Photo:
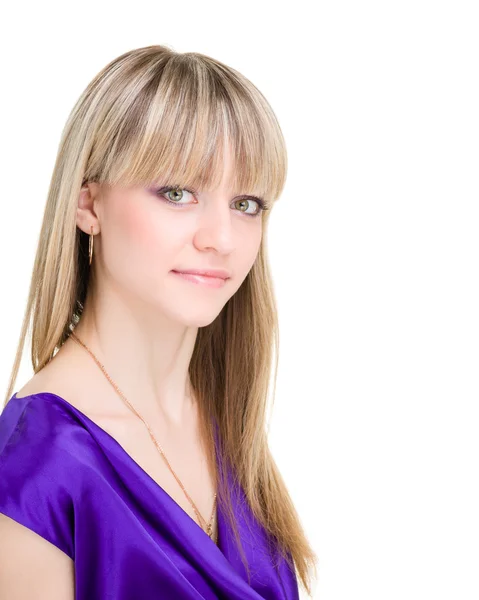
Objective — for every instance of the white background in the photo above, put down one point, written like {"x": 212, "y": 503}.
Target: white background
{"x": 374, "y": 249}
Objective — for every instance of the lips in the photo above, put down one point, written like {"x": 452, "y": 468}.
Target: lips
{"x": 216, "y": 273}
{"x": 203, "y": 280}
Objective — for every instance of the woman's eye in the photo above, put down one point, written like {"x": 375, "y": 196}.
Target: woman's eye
{"x": 244, "y": 203}
{"x": 174, "y": 194}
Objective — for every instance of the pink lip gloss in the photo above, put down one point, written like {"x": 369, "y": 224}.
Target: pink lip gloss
{"x": 212, "y": 282}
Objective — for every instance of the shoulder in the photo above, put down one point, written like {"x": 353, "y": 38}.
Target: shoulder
{"x": 37, "y": 460}
{"x": 34, "y": 426}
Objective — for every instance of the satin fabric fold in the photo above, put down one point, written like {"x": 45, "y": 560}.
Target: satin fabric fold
{"x": 71, "y": 482}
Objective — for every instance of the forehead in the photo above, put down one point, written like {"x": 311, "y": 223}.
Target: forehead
{"x": 227, "y": 169}
{"x": 226, "y": 176}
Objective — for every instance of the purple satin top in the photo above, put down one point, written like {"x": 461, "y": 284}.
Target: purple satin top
{"x": 71, "y": 482}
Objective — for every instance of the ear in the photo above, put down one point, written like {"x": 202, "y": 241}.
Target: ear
{"x": 86, "y": 214}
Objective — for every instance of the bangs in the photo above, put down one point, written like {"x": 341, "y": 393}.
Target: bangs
{"x": 171, "y": 122}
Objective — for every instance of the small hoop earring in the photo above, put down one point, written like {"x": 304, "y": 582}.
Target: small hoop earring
{"x": 90, "y": 245}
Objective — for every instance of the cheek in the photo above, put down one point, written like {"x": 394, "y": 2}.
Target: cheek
{"x": 247, "y": 247}
{"x": 142, "y": 246}
{"x": 147, "y": 235}
{"x": 251, "y": 243}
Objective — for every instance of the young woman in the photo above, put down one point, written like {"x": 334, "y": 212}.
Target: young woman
{"x": 135, "y": 462}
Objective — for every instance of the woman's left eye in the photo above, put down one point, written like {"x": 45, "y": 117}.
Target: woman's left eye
{"x": 174, "y": 194}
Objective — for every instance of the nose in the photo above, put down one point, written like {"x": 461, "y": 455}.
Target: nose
{"x": 216, "y": 228}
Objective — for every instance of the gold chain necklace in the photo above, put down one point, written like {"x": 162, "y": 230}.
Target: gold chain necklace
{"x": 208, "y": 528}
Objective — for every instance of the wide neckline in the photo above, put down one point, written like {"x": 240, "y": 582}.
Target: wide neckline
{"x": 126, "y": 455}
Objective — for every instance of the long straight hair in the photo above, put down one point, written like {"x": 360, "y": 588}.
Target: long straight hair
{"x": 151, "y": 114}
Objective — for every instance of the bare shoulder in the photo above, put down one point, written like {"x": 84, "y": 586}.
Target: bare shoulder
{"x": 28, "y": 561}
{"x": 65, "y": 376}
{"x": 54, "y": 377}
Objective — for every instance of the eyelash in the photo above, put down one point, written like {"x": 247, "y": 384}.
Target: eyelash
{"x": 263, "y": 206}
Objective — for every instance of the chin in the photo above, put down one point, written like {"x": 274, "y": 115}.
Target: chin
{"x": 197, "y": 317}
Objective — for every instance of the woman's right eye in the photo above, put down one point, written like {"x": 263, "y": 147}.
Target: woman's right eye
{"x": 173, "y": 194}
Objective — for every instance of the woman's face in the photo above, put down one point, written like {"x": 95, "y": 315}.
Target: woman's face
{"x": 144, "y": 238}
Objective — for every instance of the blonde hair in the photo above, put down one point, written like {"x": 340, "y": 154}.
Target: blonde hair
{"x": 153, "y": 112}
